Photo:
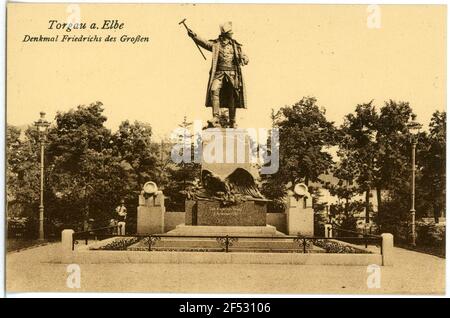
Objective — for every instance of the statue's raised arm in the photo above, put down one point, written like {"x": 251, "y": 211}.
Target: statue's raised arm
{"x": 207, "y": 45}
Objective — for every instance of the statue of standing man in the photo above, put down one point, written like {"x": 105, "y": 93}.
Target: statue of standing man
{"x": 225, "y": 85}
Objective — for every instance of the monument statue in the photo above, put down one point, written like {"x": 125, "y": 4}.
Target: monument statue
{"x": 225, "y": 85}
{"x": 227, "y": 193}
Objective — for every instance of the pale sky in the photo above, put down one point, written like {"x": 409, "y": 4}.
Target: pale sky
{"x": 326, "y": 51}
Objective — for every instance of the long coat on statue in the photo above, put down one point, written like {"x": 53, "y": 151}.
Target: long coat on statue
{"x": 236, "y": 96}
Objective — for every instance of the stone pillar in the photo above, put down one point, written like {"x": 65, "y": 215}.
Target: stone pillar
{"x": 299, "y": 215}
{"x": 150, "y": 214}
{"x": 66, "y": 246}
{"x": 387, "y": 246}
{"x": 328, "y": 230}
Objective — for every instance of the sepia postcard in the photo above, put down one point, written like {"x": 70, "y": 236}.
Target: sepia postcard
{"x": 249, "y": 149}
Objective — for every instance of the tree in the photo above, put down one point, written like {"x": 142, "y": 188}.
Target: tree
{"x": 357, "y": 150}
{"x": 375, "y": 152}
{"x": 13, "y": 161}
{"x": 87, "y": 168}
{"x": 393, "y": 172}
{"x": 91, "y": 169}
{"x": 133, "y": 144}
{"x": 181, "y": 175}
{"x": 432, "y": 156}
{"x": 304, "y": 135}
{"x": 22, "y": 171}
{"x": 346, "y": 171}
{"x": 77, "y": 155}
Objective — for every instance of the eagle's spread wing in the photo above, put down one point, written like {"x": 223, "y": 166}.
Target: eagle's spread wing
{"x": 240, "y": 183}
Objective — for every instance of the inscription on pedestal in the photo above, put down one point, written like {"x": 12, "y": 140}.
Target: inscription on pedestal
{"x": 249, "y": 213}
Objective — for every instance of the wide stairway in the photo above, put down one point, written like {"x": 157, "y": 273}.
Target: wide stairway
{"x": 213, "y": 239}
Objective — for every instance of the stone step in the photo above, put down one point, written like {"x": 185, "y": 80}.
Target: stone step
{"x": 201, "y": 230}
{"x": 211, "y": 244}
{"x": 236, "y": 249}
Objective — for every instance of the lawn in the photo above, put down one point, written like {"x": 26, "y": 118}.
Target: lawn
{"x": 16, "y": 244}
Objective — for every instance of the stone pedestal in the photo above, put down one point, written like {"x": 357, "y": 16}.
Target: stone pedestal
{"x": 328, "y": 230}
{"x": 190, "y": 209}
{"x": 66, "y": 252}
{"x": 227, "y": 162}
{"x": 387, "y": 249}
{"x": 300, "y": 215}
{"x": 212, "y": 213}
{"x": 225, "y": 150}
{"x": 150, "y": 214}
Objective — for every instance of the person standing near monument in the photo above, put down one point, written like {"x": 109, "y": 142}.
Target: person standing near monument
{"x": 225, "y": 85}
{"x": 121, "y": 211}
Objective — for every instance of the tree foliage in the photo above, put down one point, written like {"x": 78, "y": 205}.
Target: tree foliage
{"x": 433, "y": 158}
{"x": 375, "y": 153}
{"x": 88, "y": 169}
{"x": 304, "y": 135}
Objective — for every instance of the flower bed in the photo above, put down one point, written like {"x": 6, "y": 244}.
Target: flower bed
{"x": 337, "y": 247}
{"x": 326, "y": 246}
{"x": 117, "y": 244}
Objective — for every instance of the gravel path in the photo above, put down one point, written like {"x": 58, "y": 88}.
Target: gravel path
{"x": 413, "y": 273}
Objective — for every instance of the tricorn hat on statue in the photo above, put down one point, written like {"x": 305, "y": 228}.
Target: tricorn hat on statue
{"x": 226, "y": 27}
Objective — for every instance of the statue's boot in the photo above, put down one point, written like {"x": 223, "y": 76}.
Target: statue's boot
{"x": 232, "y": 117}
{"x": 214, "y": 122}
{"x": 215, "y": 100}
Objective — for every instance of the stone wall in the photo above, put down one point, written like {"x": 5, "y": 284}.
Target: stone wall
{"x": 278, "y": 220}
{"x": 172, "y": 219}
